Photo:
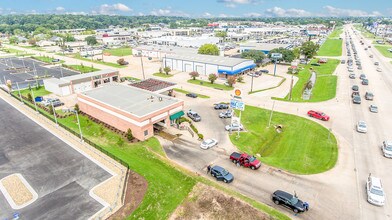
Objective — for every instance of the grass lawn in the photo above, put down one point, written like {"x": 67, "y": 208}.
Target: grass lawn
{"x": 163, "y": 75}
{"x": 83, "y": 69}
{"x": 208, "y": 84}
{"x": 331, "y": 47}
{"x": 77, "y": 56}
{"x": 384, "y": 50}
{"x": 304, "y": 147}
{"x": 119, "y": 52}
{"x": 11, "y": 50}
{"x": 186, "y": 92}
{"x": 37, "y": 92}
{"x": 336, "y": 33}
{"x": 325, "y": 86}
{"x": 33, "y": 48}
{"x": 273, "y": 87}
{"x": 46, "y": 59}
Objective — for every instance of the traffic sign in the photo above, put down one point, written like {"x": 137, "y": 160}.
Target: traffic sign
{"x": 276, "y": 55}
{"x": 237, "y": 104}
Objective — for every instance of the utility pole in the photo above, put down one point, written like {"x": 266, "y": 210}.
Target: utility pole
{"x": 275, "y": 67}
{"x": 20, "y": 95}
{"x": 141, "y": 60}
{"x": 291, "y": 85}
{"x": 251, "y": 85}
{"x": 54, "y": 113}
{"x": 35, "y": 104}
{"x": 80, "y": 129}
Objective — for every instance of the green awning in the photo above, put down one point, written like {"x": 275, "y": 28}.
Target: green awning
{"x": 176, "y": 115}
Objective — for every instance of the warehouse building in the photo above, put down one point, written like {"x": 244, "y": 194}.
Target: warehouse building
{"x": 80, "y": 83}
{"x": 157, "y": 51}
{"x": 125, "y": 107}
{"x": 263, "y": 47}
{"x": 207, "y": 64}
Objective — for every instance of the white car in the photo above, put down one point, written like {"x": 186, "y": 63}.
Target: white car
{"x": 350, "y": 69}
{"x": 375, "y": 192}
{"x": 387, "y": 148}
{"x": 226, "y": 114}
{"x": 361, "y": 127}
{"x": 379, "y": 69}
{"x": 234, "y": 127}
{"x": 208, "y": 143}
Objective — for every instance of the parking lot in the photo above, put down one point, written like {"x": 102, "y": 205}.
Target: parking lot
{"x": 61, "y": 176}
{"x": 24, "y": 70}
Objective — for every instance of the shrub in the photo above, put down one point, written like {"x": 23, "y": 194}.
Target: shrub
{"x": 240, "y": 79}
{"x": 194, "y": 129}
{"x": 120, "y": 141}
{"x": 29, "y": 97}
{"x": 201, "y": 136}
{"x": 231, "y": 81}
{"x": 167, "y": 70}
{"x": 129, "y": 135}
{"x": 76, "y": 108}
{"x": 212, "y": 77}
{"x": 160, "y": 70}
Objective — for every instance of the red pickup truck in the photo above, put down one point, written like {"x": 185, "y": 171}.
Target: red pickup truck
{"x": 245, "y": 160}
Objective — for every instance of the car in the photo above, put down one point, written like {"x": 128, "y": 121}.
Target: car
{"x": 208, "y": 143}
{"x": 361, "y": 127}
{"x": 221, "y": 106}
{"x": 57, "y": 103}
{"x": 319, "y": 115}
{"x": 376, "y": 63}
{"x": 352, "y": 76}
{"x": 375, "y": 191}
{"x": 234, "y": 127}
{"x": 315, "y": 64}
{"x": 387, "y": 148}
{"x": 365, "y": 82}
{"x": 359, "y": 67}
{"x": 355, "y": 93}
{"x": 355, "y": 88}
{"x": 369, "y": 46}
{"x": 357, "y": 99}
{"x": 290, "y": 201}
{"x": 362, "y": 76}
{"x": 264, "y": 71}
{"x": 369, "y": 96}
{"x": 253, "y": 74}
{"x": 221, "y": 174}
{"x": 366, "y": 48}
{"x": 193, "y": 115}
{"x": 373, "y": 108}
{"x": 371, "y": 56}
{"x": 350, "y": 69}
{"x": 55, "y": 60}
{"x": 192, "y": 95}
{"x": 342, "y": 61}
{"x": 379, "y": 69}
{"x": 226, "y": 114}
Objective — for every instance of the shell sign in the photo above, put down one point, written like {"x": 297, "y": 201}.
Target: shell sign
{"x": 237, "y": 92}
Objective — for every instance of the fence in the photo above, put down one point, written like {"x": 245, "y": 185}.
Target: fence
{"x": 89, "y": 142}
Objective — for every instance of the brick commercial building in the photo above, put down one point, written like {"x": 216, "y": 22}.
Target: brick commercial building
{"x": 127, "y": 107}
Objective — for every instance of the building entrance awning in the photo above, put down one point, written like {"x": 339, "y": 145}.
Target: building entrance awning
{"x": 176, "y": 115}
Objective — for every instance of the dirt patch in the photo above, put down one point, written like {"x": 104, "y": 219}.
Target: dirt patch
{"x": 205, "y": 202}
{"x": 19, "y": 193}
{"x": 136, "y": 188}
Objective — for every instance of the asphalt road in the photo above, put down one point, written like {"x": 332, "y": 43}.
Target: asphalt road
{"x": 336, "y": 194}
{"x": 60, "y": 175}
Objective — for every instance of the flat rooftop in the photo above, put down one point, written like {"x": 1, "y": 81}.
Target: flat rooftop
{"x": 263, "y": 46}
{"x": 133, "y": 100}
{"x": 153, "y": 85}
{"x": 166, "y": 49}
{"x": 209, "y": 59}
{"x": 88, "y": 75}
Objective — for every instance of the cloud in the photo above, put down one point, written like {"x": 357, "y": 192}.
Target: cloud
{"x": 60, "y": 9}
{"x": 252, "y": 14}
{"x": 341, "y": 12}
{"x": 206, "y": 14}
{"x": 292, "y": 12}
{"x": 237, "y": 1}
{"x": 112, "y": 9}
{"x": 168, "y": 12}
{"x": 230, "y": 5}
{"x": 223, "y": 15}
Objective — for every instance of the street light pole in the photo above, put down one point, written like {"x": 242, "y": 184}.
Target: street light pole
{"x": 251, "y": 85}
{"x": 54, "y": 113}
{"x": 35, "y": 104}
{"x": 80, "y": 129}
{"x": 275, "y": 67}
{"x": 272, "y": 111}
{"x": 20, "y": 95}
{"x": 291, "y": 86}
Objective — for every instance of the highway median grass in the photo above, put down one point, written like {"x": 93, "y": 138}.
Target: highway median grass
{"x": 209, "y": 84}
{"x": 119, "y": 52}
{"x": 325, "y": 86}
{"x": 336, "y": 33}
{"x": 384, "y": 50}
{"x": 46, "y": 59}
{"x": 303, "y": 146}
{"x": 331, "y": 47}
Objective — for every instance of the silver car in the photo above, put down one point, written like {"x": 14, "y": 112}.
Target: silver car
{"x": 375, "y": 192}
{"x": 208, "y": 143}
{"x": 234, "y": 127}
{"x": 361, "y": 127}
{"x": 373, "y": 108}
{"x": 387, "y": 148}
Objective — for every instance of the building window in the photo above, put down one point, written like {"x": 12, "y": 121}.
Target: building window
{"x": 145, "y": 132}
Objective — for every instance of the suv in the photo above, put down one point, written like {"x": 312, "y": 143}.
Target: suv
{"x": 369, "y": 96}
{"x": 194, "y": 116}
{"x": 376, "y": 63}
{"x": 365, "y": 82}
{"x": 357, "y": 99}
{"x": 290, "y": 201}
{"x": 221, "y": 106}
{"x": 226, "y": 114}
{"x": 375, "y": 192}
{"x": 221, "y": 174}
{"x": 234, "y": 127}
{"x": 362, "y": 76}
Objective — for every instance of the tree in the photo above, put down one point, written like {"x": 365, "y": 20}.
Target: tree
{"x": 209, "y": 49}
{"x": 287, "y": 55}
{"x": 167, "y": 70}
{"x": 173, "y": 25}
{"x": 76, "y": 108}
{"x": 69, "y": 38}
{"x": 194, "y": 74}
{"x": 33, "y": 41}
{"x": 309, "y": 49}
{"x": 13, "y": 40}
{"x": 231, "y": 80}
{"x": 91, "y": 40}
{"x": 212, "y": 77}
{"x": 296, "y": 52}
{"x": 240, "y": 79}
{"x": 120, "y": 141}
{"x": 255, "y": 55}
{"x": 121, "y": 61}
{"x": 160, "y": 70}
{"x": 222, "y": 34}
{"x": 129, "y": 135}
{"x": 29, "y": 97}
{"x": 51, "y": 110}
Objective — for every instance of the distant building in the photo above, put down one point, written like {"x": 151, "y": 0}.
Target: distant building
{"x": 80, "y": 83}
{"x": 158, "y": 51}
{"x": 194, "y": 42}
{"x": 70, "y": 31}
{"x": 264, "y": 47}
{"x": 207, "y": 64}
{"x": 126, "y": 107}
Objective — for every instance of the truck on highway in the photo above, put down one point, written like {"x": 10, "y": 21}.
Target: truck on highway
{"x": 243, "y": 159}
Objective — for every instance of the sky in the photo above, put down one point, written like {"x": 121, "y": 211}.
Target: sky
{"x": 202, "y": 8}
